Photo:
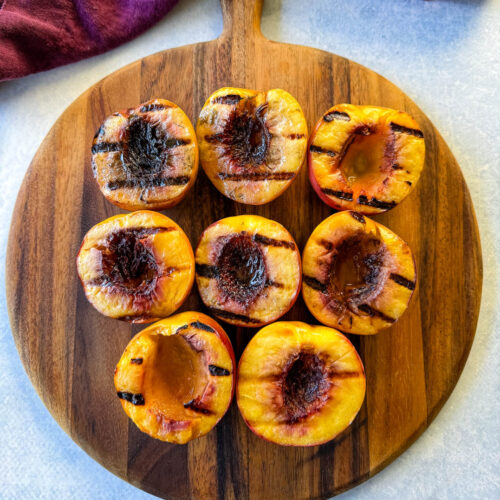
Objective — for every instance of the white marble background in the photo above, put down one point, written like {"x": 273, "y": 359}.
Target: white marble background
{"x": 445, "y": 54}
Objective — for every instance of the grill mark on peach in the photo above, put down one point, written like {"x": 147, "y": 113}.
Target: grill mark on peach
{"x": 153, "y": 107}
{"x": 202, "y": 326}
{"x": 376, "y": 203}
{"x": 217, "y": 371}
{"x": 207, "y": 271}
{"x": 256, "y": 176}
{"x": 181, "y": 180}
{"x": 315, "y": 284}
{"x": 395, "y": 166}
{"x": 230, "y": 315}
{"x": 409, "y": 183}
{"x": 395, "y": 127}
{"x": 274, "y": 284}
{"x": 328, "y": 245}
{"x": 106, "y": 281}
{"x": 227, "y": 99}
{"x": 358, "y": 217}
{"x": 136, "y": 361}
{"x": 341, "y": 195}
{"x": 194, "y": 405}
{"x": 318, "y": 149}
{"x": 374, "y": 313}
{"x": 106, "y": 147}
{"x": 295, "y": 136}
{"x": 135, "y": 399}
{"x": 400, "y": 280}
{"x": 264, "y": 240}
{"x": 335, "y": 374}
{"x": 337, "y": 115}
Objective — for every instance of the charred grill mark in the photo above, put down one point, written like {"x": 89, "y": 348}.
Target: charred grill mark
{"x": 153, "y": 107}
{"x": 148, "y": 183}
{"x": 172, "y": 142}
{"x": 363, "y": 200}
{"x": 396, "y": 167}
{"x": 257, "y": 176}
{"x": 409, "y": 183}
{"x": 400, "y": 280}
{"x": 274, "y": 284}
{"x": 315, "y": 284}
{"x": 217, "y": 371}
{"x": 181, "y": 328}
{"x": 358, "y": 217}
{"x": 337, "y": 115}
{"x": 374, "y": 313}
{"x": 295, "y": 136}
{"x": 264, "y": 240}
{"x": 227, "y": 99}
{"x": 336, "y": 374}
{"x": 136, "y": 361}
{"x": 318, "y": 149}
{"x": 328, "y": 245}
{"x": 406, "y": 130}
{"x": 207, "y": 271}
{"x": 202, "y": 326}
{"x": 99, "y": 130}
{"x": 341, "y": 195}
{"x": 106, "y": 147}
{"x": 135, "y": 399}
{"x": 229, "y": 315}
{"x": 194, "y": 405}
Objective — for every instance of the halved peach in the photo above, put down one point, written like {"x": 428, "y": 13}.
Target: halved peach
{"x": 298, "y": 384}
{"x": 146, "y": 157}
{"x": 252, "y": 144}
{"x": 365, "y": 158}
{"x": 358, "y": 275}
{"x": 138, "y": 267}
{"x": 176, "y": 378}
{"x": 248, "y": 270}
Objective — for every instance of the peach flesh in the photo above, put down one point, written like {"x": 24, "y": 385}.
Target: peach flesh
{"x": 177, "y": 375}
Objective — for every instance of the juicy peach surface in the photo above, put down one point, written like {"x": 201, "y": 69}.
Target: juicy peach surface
{"x": 252, "y": 144}
{"x": 175, "y": 379}
{"x": 138, "y": 266}
{"x": 298, "y": 384}
{"x": 146, "y": 157}
{"x": 248, "y": 270}
{"x": 365, "y": 158}
{"x": 358, "y": 275}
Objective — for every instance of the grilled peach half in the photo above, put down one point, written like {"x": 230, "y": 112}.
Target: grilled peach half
{"x": 365, "y": 158}
{"x": 298, "y": 384}
{"x": 176, "y": 378}
{"x": 137, "y": 267}
{"x": 358, "y": 275}
{"x": 248, "y": 270}
{"x": 252, "y": 144}
{"x": 146, "y": 157}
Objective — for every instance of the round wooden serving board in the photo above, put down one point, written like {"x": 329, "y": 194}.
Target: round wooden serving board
{"x": 69, "y": 350}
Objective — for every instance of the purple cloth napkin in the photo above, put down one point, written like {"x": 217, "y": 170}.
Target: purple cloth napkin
{"x": 36, "y": 35}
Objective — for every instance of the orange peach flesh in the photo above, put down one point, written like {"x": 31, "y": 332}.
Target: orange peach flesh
{"x": 365, "y": 158}
{"x": 248, "y": 270}
{"x": 358, "y": 275}
{"x": 146, "y": 157}
{"x": 298, "y": 384}
{"x": 138, "y": 267}
{"x": 252, "y": 144}
{"x": 175, "y": 379}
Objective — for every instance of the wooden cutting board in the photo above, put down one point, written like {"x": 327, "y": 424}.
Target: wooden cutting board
{"x": 69, "y": 350}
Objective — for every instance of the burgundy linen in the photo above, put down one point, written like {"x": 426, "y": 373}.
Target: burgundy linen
{"x": 36, "y": 35}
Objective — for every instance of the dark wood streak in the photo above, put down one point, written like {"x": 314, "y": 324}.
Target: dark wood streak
{"x": 257, "y": 176}
{"x": 341, "y": 195}
{"x": 318, "y": 149}
{"x": 374, "y": 313}
{"x": 181, "y": 180}
{"x": 406, "y": 130}
{"x": 400, "y": 280}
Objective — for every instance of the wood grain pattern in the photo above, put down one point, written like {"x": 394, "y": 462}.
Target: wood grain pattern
{"x": 70, "y": 351}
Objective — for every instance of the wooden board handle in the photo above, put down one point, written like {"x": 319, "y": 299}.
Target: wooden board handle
{"x": 241, "y": 19}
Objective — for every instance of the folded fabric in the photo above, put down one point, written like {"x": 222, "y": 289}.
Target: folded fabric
{"x": 36, "y": 35}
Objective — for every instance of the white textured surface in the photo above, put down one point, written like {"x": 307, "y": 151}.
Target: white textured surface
{"x": 445, "y": 54}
